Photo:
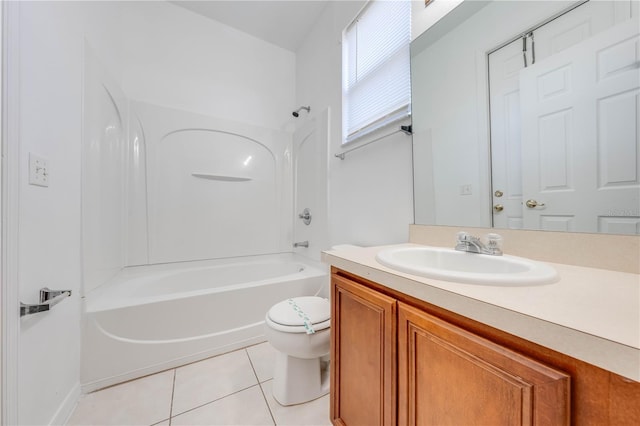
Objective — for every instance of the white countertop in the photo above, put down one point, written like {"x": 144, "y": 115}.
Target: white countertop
{"x": 589, "y": 314}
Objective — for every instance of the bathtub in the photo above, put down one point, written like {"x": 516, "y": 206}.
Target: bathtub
{"x": 151, "y": 318}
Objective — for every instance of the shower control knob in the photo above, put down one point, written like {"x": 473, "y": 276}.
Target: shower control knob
{"x": 305, "y": 216}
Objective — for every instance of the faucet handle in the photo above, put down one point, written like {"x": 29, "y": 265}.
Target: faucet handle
{"x": 465, "y": 237}
{"x": 494, "y": 243}
{"x": 462, "y": 236}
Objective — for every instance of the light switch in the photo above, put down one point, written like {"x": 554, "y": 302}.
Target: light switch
{"x": 38, "y": 170}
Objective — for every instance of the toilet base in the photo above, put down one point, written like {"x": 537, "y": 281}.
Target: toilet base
{"x": 297, "y": 380}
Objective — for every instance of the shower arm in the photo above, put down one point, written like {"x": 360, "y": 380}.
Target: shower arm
{"x": 296, "y": 112}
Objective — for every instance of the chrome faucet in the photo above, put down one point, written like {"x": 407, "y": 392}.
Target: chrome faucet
{"x": 301, "y": 244}
{"x": 470, "y": 244}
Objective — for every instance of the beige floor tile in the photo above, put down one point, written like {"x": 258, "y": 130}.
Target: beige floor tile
{"x": 263, "y": 358}
{"x": 312, "y": 413}
{"x": 247, "y": 407}
{"x": 140, "y": 402}
{"x": 205, "y": 381}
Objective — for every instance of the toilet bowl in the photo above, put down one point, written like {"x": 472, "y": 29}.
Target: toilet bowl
{"x": 298, "y": 329}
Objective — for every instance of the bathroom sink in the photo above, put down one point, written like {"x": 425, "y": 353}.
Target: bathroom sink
{"x": 451, "y": 265}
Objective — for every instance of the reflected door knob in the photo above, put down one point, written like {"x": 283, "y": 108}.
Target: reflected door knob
{"x": 533, "y": 204}
{"x": 498, "y": 207}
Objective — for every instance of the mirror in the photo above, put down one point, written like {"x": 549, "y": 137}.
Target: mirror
{"x": 525, "y": 116}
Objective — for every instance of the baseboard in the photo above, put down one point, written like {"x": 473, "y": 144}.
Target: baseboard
{"x": 62, "y": 415}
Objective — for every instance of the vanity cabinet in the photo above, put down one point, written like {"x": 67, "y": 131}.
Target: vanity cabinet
{"x": 400, "y": 360}
{"x": 448, "y": 376}
{"x": 363, "y": 343}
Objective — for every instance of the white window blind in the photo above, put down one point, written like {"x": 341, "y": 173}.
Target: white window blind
{"x": 376, "y": 71}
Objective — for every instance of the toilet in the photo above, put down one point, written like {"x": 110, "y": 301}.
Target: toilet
{"x": 298, "y": 328}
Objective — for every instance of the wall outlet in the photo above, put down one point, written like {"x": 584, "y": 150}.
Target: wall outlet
{"x": 38, "y": 170}
{"x": 466, "y": 189}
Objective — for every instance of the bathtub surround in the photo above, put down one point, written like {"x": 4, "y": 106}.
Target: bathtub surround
{"x": 197, "y": 186}
{"x": 103, "y": 170}
{"x": 194, "y": 165}
{"x": 166, "y": 213}
{"x": 311, "y": 185}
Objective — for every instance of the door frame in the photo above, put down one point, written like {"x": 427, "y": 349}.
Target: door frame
{"x": 10, "y": 209}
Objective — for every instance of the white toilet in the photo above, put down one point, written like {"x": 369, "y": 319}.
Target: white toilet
{"x": 298, "y": 328}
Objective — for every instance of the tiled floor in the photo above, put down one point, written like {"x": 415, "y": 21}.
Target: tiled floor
{"x": 230, "y": 389}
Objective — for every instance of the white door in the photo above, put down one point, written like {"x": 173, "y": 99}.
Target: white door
{"x": 580, "y": 114}
{"x": 504, "y": 70}
{"x": 505, "y": 65}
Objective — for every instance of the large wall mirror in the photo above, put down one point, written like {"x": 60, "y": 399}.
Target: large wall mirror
{"x": 526, "y": 115}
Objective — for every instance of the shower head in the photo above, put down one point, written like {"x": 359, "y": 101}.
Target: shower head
{"x": 295, "y": 113}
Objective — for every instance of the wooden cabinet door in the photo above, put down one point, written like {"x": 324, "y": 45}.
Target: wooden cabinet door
{"x": 448, "y": 376}
{"x": 363, "y": 355}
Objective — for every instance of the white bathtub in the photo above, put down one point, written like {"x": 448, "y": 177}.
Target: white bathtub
{"x": 151, "y": 318}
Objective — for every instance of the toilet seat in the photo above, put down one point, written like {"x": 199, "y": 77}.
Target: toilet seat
{"x": 290, "y": 315}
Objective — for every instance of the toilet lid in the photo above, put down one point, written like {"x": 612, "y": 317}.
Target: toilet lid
{"x": 296, "y": 311}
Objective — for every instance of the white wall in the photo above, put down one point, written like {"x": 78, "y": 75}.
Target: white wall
{"x": 50, "y": 82}
{"x": 371, "y": 196}
{"x": 423, "y": 18}
{"x": 178, "y": 59}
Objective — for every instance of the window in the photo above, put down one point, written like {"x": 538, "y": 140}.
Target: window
{"x": 376, "y": 82}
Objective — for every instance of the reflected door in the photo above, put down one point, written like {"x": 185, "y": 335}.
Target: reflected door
{"x": 505, "y": 66}
{"x": 504, "y": 69}
{"x": 580, "y": 114}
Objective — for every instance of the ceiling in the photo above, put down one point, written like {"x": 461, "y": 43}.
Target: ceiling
{"x": 283, "y": 23}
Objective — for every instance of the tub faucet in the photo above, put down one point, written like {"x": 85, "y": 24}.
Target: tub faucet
{"x": 301, "y": 244}
{"x": 470, "y": 244}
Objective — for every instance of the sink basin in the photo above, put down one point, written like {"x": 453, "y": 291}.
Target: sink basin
{"x": 451, "y": 265}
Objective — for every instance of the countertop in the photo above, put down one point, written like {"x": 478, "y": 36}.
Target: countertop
{"x": 590, "y": 314}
